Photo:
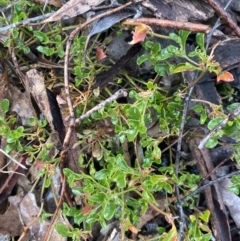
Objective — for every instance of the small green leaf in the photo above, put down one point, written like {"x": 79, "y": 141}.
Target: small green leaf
{"x": 192, "y": 54}
{"x": 150, "y": 85}
{"x": 203, "y": 118}
{"x": 161, "y": 69}
{"x": 183, "y": 34}
{"x": 211, "y": 142}
{"x": 134, "y": 113}
{"x": 148, "y": 196}
{"x": 142, "y": 59}
{"x": 205, "y": 216}
{"x": 200, "y": 40}
{"x": 165, "y": 54}
{"x": 42, "y": 37}
{"x": 172, "y": 49}
{"x": 230, "y": 130}
{"x": 5, "y": 105}
{"x": 215, "y": 122}
{"x": 97, "y": 198}
{"x": 132, "y": 134}
{"x": 148, "y": 44}
{"x": 120, "y": 179}
{"x": 62, "y": 229}
{"x": 168, "y": 188}
{"x": 175, "y": 37}
{"x": 183, "y": 67}
{"x": 102, "y": 174}
{"x": 109, "y": 210}
{"x": 121, "y": 163}
{"x": 156, "y": 48}
{"x": 47, "y": 182}
{"x": 46, "y": 50}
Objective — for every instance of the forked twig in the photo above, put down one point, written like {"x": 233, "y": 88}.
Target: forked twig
{"x": 120, "y": 93}
{"x": 230, "y": 117}
{"x": 200, "y": 189}
{"x": 12, "y": 159}
{"x": 224, "y": 16}
{"x": 26, "y": 21}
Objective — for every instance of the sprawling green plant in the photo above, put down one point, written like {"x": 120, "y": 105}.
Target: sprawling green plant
{"x": 117, "y": 187}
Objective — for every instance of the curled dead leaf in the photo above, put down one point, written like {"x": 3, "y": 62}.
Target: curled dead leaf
{"x": 225, "y": 76}
{"x": 100, "y": 54}
{"x": 140, "y": 33}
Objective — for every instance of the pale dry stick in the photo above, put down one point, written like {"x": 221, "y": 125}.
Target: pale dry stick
{"x": 2, "y": 170}
{"x": 3, "y": 9}
{"x": 12, "y": 159}
{"x": 120, "y": 93}
{"x": 26, "y": 21}
{"x": 230, "y": 117}
{"x": 193, "y": 27}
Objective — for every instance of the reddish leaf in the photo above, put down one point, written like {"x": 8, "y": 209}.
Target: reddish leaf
{"x": 140, "y": 33}
{"x": 225, "y": 76}
{"x": 87, "y": 209}
{"x": 133, "y": 229}
{"x": 100, "y": 54}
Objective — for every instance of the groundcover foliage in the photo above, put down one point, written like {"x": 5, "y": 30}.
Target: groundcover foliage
{"x": 116, "y": 186}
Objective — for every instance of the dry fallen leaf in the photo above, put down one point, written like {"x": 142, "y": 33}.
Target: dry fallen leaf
{"x": 10, "y": 221}
{"x": 56, "y": 3}
{"x": 73, "y": 8}
{"x": 21, "y": 104}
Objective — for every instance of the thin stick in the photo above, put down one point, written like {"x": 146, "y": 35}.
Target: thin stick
{"x": 216, "y": 25}
{"x": 182, "y": 222}
{"x": 26, "y": 21}
{"x": 120, "y": 93}
{"x": 60, "y": 202}
{"x": 224, "y": 16}
{"x": 198, "y": 190}
{"x": 230, "y": 117}
{"x": 12, "y": 159}
{"x": 193, "y": 27}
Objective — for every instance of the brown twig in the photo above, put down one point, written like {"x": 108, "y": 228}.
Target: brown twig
{"x": 193, "y": 27}
{"x": 120, "y": 93}
{"x": 224, "y": 16}
{"x": 48, "y": 233}
{"x": 26, "y": 228}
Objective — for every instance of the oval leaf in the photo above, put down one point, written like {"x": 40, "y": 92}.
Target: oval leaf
{"x": 225, "y": 76}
